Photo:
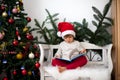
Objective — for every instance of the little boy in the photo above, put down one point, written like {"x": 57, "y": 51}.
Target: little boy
{"x": 66, "y": 31}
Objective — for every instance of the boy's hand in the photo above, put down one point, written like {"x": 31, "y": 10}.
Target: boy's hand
{"x": 56, "y": 56}
{"x": 83, "y": 51}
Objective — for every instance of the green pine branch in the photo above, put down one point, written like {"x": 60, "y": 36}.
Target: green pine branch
{"x": 102, "y": 23}
{"x": 101, "y": 36}
{"x": 48, "y": 34}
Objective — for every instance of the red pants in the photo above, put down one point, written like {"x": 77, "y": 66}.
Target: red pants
{"x": 78, "y": 62}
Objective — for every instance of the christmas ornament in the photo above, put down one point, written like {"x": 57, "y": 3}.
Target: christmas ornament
{"x": 37, "y": 55}
{"x": 14, "y": 10}
{"x": 2, "y": 45}
{"x": 24, "y": 72}
{"x": 33, "y": 72}
{"x": 17, "y": 2}
{"x": 25, "y": 29}
{"x": 5, "y": 78}
{"x": 14, "y": 72}
{"x": 9, "y": 13}
{"x": 11, "y": 21}
{"x": 21, "y": 43}
{"x": 2, "y": 7}
{"x": 20, "y": 0}
{"x": 22, "y": 67}
{"x": 2, "y": 34}
{"x": 28, "y": 19}
{"x": 19, "y": 55}
{"x": 31, "y": 55}
{"x": 20, "y": 3}
{"x": 29, "y": 36}
{"x": 35, "y": 46}
{"x": 29, "y": 73}
{"x": 15, "y": 42}
{"x": 17, "y": 34}
{"x": 18, "y": 8}
{"x": 4, "y": 14}
{"x": 37, "y": 64}
{"x": 4, "y": 61}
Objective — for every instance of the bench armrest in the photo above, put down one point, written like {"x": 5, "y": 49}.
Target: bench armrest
{"x": 42, "y": 52}
{"x": 110, "y": 63}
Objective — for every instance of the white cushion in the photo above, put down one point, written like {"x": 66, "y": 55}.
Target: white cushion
{"x": 92, "y": 72}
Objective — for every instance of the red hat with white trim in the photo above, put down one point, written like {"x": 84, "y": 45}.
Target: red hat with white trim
{"x": 65, "y": 28}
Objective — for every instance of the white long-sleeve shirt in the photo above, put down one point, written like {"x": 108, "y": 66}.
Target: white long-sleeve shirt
{"x": 65, "y": 49}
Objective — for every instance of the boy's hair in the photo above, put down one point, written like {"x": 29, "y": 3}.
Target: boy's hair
{"x": 68, "y": 35}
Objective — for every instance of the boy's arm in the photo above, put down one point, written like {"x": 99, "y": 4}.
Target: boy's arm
{"x": 58, "y": 53}
{"x": 57, "y": 56}
{"x": 83, "y": 51}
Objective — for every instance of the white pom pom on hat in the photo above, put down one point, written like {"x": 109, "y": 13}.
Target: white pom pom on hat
{"x": 59, "y": 34}
{"x": 65, "y": 28}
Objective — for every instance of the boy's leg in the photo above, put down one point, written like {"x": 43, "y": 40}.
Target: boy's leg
{"x": 57, "y": 62}
{"x": 79, "y": 62}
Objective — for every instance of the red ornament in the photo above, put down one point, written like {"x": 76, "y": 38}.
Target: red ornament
{"x": 37, "y": 65}
{"x": 11, "y": 20}
{"x": 2, "y": 7}
{"x": 28, "y": 19}
{"x": 14, "y": 72}
{"x": 17, "y": 33}
{"x": 5, "y": 78}
{"x": 24, "y": 72}
{"x": 29, "y": 36}
{"x": 35, "y": 46}
{"x": 15, "y": 42}
{"x": 37, "y": 55}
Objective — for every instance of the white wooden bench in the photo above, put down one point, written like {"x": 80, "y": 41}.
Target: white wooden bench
{"x": 99, "y": 66}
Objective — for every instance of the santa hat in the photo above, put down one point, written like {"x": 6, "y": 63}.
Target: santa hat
{"x": 65, "y": 28}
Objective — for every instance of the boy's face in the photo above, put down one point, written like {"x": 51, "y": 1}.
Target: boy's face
{"x": 68, "y": 38}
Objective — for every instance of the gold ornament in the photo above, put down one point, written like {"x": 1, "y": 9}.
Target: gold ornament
{"x": 25, "y": 29}
{"x": 19, "y": 55}
{"x": 21, "y": 43}
{"x": 2, "y": 46}
{"x": 29, "y": 73}
{"x": 20, "y": 0}
{"x": 4, "y": 14}
{"x": 18, "y": 8}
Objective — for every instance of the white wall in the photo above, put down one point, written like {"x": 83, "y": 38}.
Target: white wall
{"x": 72, "y": 10}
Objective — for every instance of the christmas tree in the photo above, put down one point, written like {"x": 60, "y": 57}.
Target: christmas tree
{"x": 19, "y": 55}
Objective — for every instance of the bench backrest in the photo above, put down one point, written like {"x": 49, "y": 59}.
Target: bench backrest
{"x": 95, "y": 54}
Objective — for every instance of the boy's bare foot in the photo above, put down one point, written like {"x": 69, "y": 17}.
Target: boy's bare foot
{"x": 61, "y": 69}
{"x": 78, "y": 68}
